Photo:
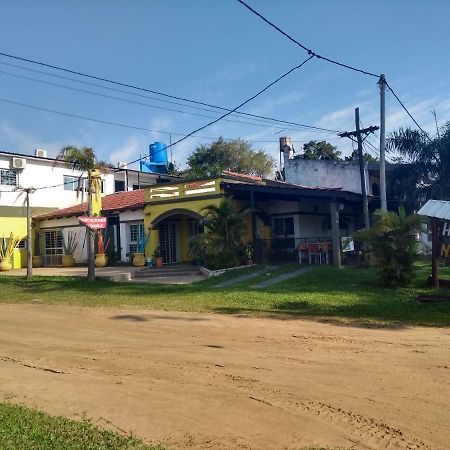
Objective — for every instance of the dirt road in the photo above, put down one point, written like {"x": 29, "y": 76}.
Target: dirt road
{"x": 211, "y": 381}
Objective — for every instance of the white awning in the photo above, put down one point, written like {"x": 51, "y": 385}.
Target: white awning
{"x": 439, "y": 209}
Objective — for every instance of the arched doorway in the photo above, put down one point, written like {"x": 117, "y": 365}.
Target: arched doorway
{"x": 177, "y": 228}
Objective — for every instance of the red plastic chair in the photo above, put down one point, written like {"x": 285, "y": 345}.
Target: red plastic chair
{"x": 314, "y": 252}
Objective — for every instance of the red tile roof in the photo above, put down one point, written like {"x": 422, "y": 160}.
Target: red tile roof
{"x": 120, "y": 201}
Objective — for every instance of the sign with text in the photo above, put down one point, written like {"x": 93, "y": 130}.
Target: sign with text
{"x": 94, "y": 223}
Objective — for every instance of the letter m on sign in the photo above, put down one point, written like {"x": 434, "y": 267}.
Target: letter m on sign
{"x": 445, "y": 250}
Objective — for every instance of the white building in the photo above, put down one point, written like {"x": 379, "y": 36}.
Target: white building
{"x": 40, "y": 172}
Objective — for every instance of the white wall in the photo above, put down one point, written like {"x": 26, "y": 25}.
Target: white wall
{"x": 327, "y": 174}
{"x": 126, "y": 218}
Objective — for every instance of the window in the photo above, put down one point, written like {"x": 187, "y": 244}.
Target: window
{"x": 72, "y": 183}
{"x": 119, "y": 186}
{"x": 137, "y": 236}
{"x": 284, "y": 231}
{"x": 53, "y": 242}
{"x": 8, "y": 177}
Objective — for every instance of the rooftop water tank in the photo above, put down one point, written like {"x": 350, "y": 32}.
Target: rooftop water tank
{"x": 158, "y": 153}
{"x": 157, "y": 159}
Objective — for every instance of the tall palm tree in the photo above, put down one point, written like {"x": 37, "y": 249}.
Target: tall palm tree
{"x": 225, "y": 223}
{"x": 428, "y": 160}
{"x": 84, "y": 160}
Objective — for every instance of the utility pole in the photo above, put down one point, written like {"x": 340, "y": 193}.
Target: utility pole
{"x": 358, "y": 134}
{"x": 29, "y": 191}
{"x": 91, "y": 245}
{"x": 382, "y": 84}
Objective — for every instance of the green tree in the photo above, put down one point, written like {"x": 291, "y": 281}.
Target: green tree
{"x": 220, "y": 246}
{"x": 237, "y": 156}
{"x": 428, "y": 161}
{"x": 83, "y": 159}
{"x": 392, "y": 240}
{"x": 320, "y": 150}
{"x": 366, "y": 156}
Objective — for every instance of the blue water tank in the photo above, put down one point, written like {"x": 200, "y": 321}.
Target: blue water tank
{"x": 157, "y": 159}
{"x": 158, "y": 153}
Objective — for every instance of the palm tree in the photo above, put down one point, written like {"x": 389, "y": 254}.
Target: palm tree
{"x": 225, "y": 224}
{"x": 428, "y": 160}
{"x": 84, "y": 160}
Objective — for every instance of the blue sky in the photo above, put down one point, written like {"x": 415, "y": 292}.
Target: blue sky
{"x": 218, "y": 52}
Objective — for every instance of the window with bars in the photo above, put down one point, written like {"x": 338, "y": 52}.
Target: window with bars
{"x": 137, "y": 236}
{"x": 284, "y": 231}
{"x": 53, "y": 242}
{"x": 8, "y": 177}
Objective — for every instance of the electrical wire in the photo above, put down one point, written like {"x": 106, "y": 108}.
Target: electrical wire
{"x": 407, "y": 112}
{"x": 139, "y": 103}
{"x": 131, "y": 86}
{"x": 299, "y": 66}
{"x": 311, "y": 52}
{"x": 308, "y": 50}
{"x": 118, "y": 124}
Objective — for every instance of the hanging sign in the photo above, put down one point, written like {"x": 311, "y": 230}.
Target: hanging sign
{"x": 94, "y": 223}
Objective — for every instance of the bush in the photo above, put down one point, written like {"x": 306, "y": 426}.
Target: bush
{"x": 392, "y": 241}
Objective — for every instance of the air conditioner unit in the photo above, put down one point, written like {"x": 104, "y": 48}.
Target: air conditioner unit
{"x": 123, "y": 165}
{"x": 40, "y": 153}
{"x": 19, "y": 163}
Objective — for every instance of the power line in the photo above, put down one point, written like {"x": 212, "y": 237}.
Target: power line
{"x": 266, "y": 125}
{"x": 119, "y": 83}
{"x": 256, "y": 117}
{"x": 407, "y": 112}
{"x": 299, "y": 66}
{"x": 118, "y": 124}
{"x": 311, "y": 52}
{"x": 304, "y": 47}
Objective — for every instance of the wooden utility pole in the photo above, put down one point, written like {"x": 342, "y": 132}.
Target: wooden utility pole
{"x": 382, "y": 84}
{"x": 435, "y": 252}
{"x": 358, "y": 133}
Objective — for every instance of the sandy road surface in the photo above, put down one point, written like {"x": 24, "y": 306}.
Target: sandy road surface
{"x": 211, "y": 381}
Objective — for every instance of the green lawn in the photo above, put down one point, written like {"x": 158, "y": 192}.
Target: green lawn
{"x": 27, "y": 429}
{"x": 349, "y": 294}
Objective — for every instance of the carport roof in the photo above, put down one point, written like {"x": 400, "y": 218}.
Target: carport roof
{"x": 439, "y": 209}
{"x": 120, "y": 201}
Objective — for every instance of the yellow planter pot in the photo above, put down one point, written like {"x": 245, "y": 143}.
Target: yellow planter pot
{"x": 68, "y": 261}
{"x": 139, "y": 260}
{"x": 5, "y": 264}
{"x": 37, "y": 261}
{"x": 101, "y": 260}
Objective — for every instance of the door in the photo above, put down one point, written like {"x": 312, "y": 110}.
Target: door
{"x": 168, "y": 242}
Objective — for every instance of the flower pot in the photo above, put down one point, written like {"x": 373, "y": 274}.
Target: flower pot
{"x": 249, "y": 262}
{"x": 159, "y": 261}
{"x": 5, "y": 264}
{"x": 101, "y": 260}
{"x": 68, "y": 261}
{"x": 139, "y": 260}
{"x": 37, "y": 261}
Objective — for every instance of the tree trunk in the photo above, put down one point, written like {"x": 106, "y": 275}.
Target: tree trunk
{"x": 91, "y": 250}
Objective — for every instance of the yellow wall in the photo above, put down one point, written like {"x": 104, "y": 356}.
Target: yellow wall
{"x": 156, "y": 209}
{"x": 13, "y": 220}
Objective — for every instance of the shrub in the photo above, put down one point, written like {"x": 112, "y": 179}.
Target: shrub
{"x": 392, "y": 241}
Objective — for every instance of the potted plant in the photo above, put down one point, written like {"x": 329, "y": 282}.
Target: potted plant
{"x": 249, "y": 254}
{"x": 157, "y": 257}
{"x": 100, "y": 257}
{"x": 37, "y": 258}
{"x": 139, "y": 256}
{"x": 7, "y": 247}
{"x": 69, "y": 247}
